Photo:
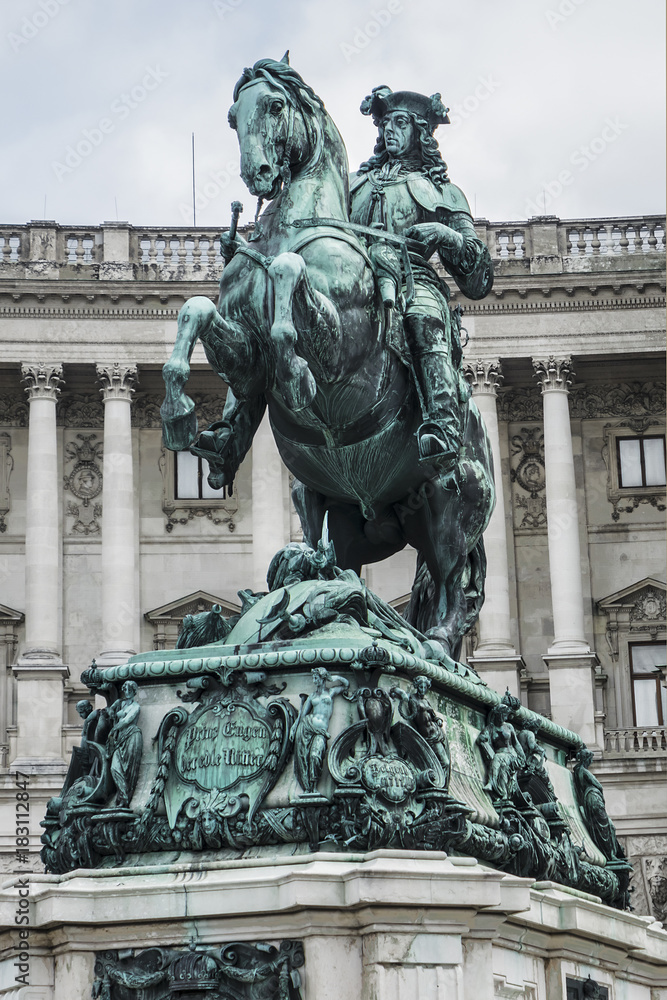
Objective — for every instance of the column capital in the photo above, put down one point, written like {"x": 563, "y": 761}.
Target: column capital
{"x": 484, "y": 375}
{"x": 117, "y": 380}
{"x": 43, "y": 380}
{"x": 553, "y": 373}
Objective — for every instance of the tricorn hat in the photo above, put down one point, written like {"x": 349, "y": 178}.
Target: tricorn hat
{"x": 383, "y": 100}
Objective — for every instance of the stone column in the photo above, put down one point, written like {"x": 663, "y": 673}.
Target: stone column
{"x": 569, "y": 659}
{"x": 495, "y": 657}
{"x": 119, "y": 614}
{"x": 39, "y": 670}
{"x": 268, "y": 516}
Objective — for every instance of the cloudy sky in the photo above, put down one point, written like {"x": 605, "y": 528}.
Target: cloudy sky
{"x": 555, "y": 104}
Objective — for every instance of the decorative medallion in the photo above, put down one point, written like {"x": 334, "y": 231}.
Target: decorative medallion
{"x": 651, "y": 605}
{"x": 85, "y": 482}
{"x": 528, "y": 475}
{"x": 390, "y": 777}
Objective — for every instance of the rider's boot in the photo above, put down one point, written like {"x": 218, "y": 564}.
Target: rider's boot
{"x": 440, "y": 435}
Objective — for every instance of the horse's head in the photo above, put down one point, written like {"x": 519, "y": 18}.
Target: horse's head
{"x": 274, "y": 116}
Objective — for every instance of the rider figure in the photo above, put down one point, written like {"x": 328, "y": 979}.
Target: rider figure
{"x": 404, "y": 189}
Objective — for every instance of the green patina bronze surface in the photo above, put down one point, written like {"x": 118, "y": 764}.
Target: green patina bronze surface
{"x": 344, "y": 728}
{"x": 332, "y": 317}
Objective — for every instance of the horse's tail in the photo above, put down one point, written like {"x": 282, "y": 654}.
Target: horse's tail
{"x": 421, "y": 611}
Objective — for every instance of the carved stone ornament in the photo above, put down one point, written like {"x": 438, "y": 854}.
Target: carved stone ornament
{"x": 618, "y": 399}
{"x": 241, "y": 970}
{"x": 117, "y": 380}
{"x": 80, "y": 410}
{"x": 651, "y": 605}
{"x": 519, "y": 403}
{"x": 84, "y": 481}
{"x": 484, "y": 376}
{"x": 528, "y": 477}
{"x": 43, "y": 380}
{"x": 13, "y": 409}
{"x": 553, "y": 373}
{"x": 641, "y": 607}
{"x": 6, "y": 466}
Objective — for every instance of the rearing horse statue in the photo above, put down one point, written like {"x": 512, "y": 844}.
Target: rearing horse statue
{"x": 302, "y": 327}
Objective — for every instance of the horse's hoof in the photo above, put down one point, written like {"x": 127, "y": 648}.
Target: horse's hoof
{"x": 179, "y": 430}
{"x": 299, "y": 390}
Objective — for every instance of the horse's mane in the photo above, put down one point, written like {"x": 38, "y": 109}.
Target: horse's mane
{"x": 283, "y": 77}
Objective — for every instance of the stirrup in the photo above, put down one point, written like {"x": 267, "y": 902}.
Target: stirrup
{"x": 433, "y": 449}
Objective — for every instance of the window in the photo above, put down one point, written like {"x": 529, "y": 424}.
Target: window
{"x": 649, "y": 698}
{"x": 186, "y": 494}
{"x": 641, "y": 461}
{"x": 585, "y": 989}
{"x": 635, "y": 460}
{"x": 191, "y": 479}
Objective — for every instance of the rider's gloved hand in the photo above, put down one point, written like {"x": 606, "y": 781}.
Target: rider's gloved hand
{"x": 436, "y": 236}
{"x": 229, "y": 246}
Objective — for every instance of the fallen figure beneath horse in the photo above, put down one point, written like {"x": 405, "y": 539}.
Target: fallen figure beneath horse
{"x": 331, "y": 317}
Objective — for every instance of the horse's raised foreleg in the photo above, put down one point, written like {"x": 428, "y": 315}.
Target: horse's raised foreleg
{"x": 179, "y": 423}
{"x": 294, "y": 378}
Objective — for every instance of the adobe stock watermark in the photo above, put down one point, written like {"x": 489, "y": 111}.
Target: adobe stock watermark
{"x": 213, "y": 186}
{"x": 565, "y": 9}
{"x": 120, "y": 108}
{"x": 581, "y": 158}
{"x": 224, "y": 8}
{"x": 370, "y": 29}
{"x": 32, "y": 24}
{"x": 458, "y": 113}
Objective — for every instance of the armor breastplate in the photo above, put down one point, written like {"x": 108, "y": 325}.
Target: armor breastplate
{"x": 387, "y": 201}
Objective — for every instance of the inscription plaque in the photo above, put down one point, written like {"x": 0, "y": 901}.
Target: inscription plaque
{"x": 226, "y": 746}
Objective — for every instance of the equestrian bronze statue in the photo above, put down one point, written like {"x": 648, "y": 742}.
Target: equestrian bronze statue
{"x": 332, "y": 317}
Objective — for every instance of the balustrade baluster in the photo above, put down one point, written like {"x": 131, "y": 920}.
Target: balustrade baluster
{"x": 652, "y": 239}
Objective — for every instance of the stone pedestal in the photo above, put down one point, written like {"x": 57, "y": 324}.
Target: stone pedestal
{"x": 119, "y": 618}
{"x": 572, "y": 692}
{"x": 386, "y": 925}
{"x": 502, "y": 673}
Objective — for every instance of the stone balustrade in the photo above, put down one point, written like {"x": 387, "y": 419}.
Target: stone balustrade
{"x": 633, "y": 740}
{"x": 548, "y": 236}
{"x": 568, "y": 244}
